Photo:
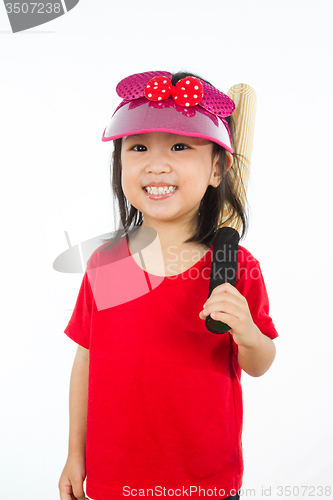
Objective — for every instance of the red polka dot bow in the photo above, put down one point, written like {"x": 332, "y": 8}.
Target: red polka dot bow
{"x": 186, "y": 92}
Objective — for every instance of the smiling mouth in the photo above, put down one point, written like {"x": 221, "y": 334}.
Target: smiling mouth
{"x": 155, "y": 195}
{"x": 159, "y": 190}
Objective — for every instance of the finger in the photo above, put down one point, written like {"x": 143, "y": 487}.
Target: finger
{"x": 66, "y": 492}
{"x": 202, "y": 315}
{"x": 78, "y": 491}
{"x": 228, "y": 309}
{"x": 223, "y": 299}
{"x": 224, "y": 318}
{"x": 225, "y": 288}
{"x": 221, "y": 307}
{"x": 80, "y": 497}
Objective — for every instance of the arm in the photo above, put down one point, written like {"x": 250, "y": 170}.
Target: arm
{"x": 256, "y": 358}
{"x": 78, "y": 403}
{"x": 74, "y": 472}
{"x": 256, "y": 351}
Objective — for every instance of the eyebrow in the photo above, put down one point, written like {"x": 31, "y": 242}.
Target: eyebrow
{"x": 134, "y": 135}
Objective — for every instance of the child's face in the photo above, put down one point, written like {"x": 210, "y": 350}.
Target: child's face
{"x": 182, "y": 161}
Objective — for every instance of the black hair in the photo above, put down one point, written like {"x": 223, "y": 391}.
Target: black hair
{"x": 228, "y": 198}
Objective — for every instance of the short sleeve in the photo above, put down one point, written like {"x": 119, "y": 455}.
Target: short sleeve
{"x": 252, "y": 286}
{"x": 78, "y": 328}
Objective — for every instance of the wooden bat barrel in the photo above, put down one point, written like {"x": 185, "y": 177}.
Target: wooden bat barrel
{"x": 245, "y": 100}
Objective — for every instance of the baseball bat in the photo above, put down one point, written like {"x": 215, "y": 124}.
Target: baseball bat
{"x": 227, "y": 237}
{"x": 245, "y": 100}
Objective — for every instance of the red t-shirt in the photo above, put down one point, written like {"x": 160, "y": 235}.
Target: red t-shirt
{"x": 165, "y": 399}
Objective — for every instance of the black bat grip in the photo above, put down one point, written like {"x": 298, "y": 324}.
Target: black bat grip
{"x": 224, "y": 269}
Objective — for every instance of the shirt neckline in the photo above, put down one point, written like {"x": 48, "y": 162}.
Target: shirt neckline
{"x": 192, "y": 272}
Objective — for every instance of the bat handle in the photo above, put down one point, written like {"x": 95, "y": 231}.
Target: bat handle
{"x": 224, "y": 262}
{"x": 216, "y": 326}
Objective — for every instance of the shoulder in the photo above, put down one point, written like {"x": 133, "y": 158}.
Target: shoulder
{"x": 246, "y": 258}
{"x": 248, "y": 267}
{"x": 110, "y": 251}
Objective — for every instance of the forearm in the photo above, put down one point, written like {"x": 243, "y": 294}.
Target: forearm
{"x": 257, "y": 359}
{"x": 78, "y": 403}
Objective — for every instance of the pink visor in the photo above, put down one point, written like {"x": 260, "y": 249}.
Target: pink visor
{"x": 139, "y": 114}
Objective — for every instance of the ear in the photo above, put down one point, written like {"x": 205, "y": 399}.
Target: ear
{"x": 216, "y": 177}
{"x": 230, "y": 160}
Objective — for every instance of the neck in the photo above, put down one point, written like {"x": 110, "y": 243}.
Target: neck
{"x": 165, "y": 255}
{"x": 171, "y": 234}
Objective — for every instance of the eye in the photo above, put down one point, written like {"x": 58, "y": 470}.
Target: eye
{"x": 138, "y": 147}
{"x": 179, "y": 147}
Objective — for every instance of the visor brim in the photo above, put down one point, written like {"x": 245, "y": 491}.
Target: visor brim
{"x": 143, "y": 116}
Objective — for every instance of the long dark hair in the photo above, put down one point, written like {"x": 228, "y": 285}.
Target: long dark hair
{"x": 228, "y": 198}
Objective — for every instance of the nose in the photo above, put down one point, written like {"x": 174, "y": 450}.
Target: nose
{"x": 158, "y": 162}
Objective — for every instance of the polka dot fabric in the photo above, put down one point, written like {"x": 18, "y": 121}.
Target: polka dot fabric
{"x": 158, "y": 88}
{"x": 185, "y": 94}
{"x": 133, "y": 86}
{"x": 216, "y": 102}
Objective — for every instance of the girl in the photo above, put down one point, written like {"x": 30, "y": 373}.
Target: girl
{"x": 155, "y": 398}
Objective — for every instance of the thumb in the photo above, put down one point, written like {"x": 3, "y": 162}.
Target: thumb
{"x": 78, "y": 491}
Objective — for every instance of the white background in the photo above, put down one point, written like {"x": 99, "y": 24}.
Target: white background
{"x": 57, "y": 94}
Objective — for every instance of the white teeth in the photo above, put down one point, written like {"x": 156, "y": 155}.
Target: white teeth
{"x": 160, "y": 190}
